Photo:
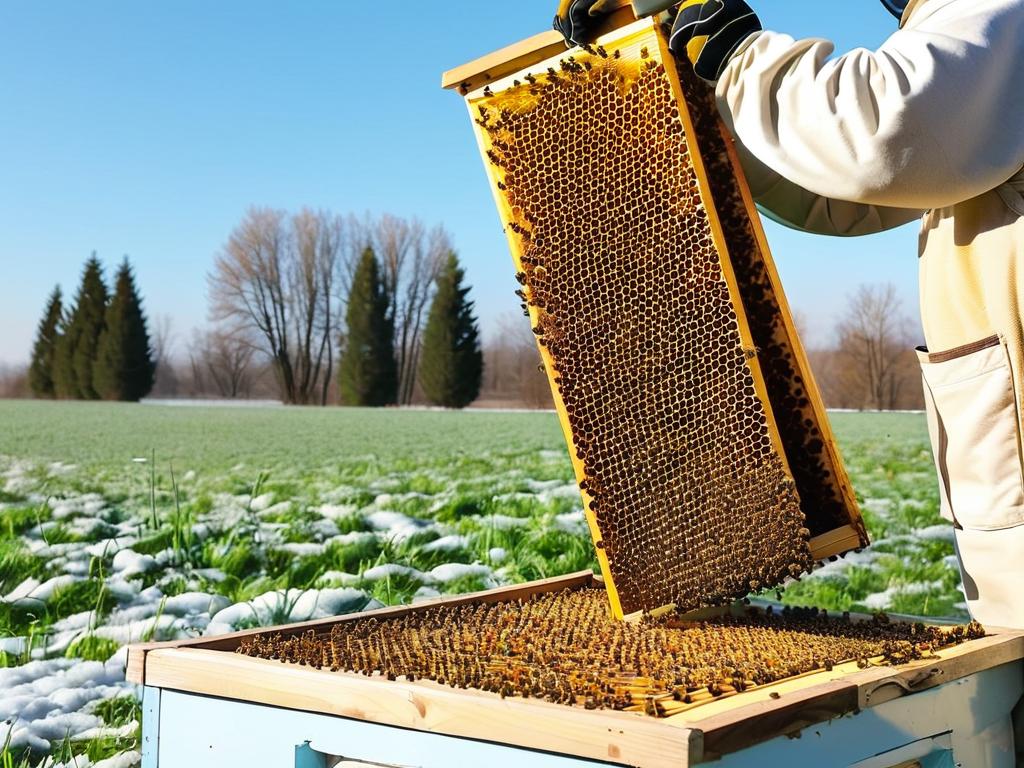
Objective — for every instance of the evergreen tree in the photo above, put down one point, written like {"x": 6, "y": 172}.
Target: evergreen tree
{"x": 64, "y": 385}
{"x": 451, "y": 364}
{"x": 367, "y": 371}
{"x": 76, "y": 350}
{"x": 124, "y": 367}
{"x": 40, "y": 372}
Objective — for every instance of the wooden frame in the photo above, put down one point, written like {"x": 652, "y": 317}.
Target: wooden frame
{"x": 493, "y": 74}
{"x": 526, "y": 53}
{"x": 209, "y": 666}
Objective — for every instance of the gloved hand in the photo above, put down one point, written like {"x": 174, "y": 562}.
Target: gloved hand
{"x": 575, "y": 18}
{"x": 708, "y": 32}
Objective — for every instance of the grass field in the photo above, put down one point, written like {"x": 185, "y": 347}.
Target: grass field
{"x": 125, "y": 523}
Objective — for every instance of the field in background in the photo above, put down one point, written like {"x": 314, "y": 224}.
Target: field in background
{"x": 126, "y": 523}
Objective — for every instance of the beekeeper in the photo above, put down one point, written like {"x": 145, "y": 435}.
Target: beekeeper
{"x": 931, "y": 127}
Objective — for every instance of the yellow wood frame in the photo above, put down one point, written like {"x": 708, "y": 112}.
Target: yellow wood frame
{"x": 493, "y": 74}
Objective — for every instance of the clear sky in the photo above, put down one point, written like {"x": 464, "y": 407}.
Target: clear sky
{"x": 147, "y": 129}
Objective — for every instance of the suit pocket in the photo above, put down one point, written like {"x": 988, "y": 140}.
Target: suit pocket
{"x": 975, "y": 434}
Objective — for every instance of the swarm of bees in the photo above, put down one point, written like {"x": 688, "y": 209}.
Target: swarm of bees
{"x": 564, "y": 647}
{"x": 623, "y": 281}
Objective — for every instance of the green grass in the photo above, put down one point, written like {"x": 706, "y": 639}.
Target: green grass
{"x": 214, "y": 439}
{"x": 233, "y": 488}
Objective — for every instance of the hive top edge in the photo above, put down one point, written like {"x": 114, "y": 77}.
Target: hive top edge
{"x": 501, "y": 64}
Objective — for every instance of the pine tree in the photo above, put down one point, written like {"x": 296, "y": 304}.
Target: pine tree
{"x": 124, "y": 367}
{"x": 40, "y": 372}
{"x": 76, "y": 350}
{"x": 451, "y": 364}
{"x": 367, "y": 371}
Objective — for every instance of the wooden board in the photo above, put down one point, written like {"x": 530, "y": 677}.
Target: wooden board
{"x": 208, "y": 666}
{"x": 610, "y": 736}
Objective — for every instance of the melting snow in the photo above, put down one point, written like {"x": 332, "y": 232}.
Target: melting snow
{"x": 452, "y": 571}
{"x": 42, "y": 700}
{"x": 446, "y": 544}
{"x": 942, "y": 532}
{"x": 279, "y": 607}
{"x": 389, "y": 570}
{"x": 128, "y": 562}
{"x": 571, "y": 522}
{"x": 395, "y": 525}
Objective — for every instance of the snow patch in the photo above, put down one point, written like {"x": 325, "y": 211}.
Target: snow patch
{"x": 448, "y": 572}
{"x": 128, "y": 563}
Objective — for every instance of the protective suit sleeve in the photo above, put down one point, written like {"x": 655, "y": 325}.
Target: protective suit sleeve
{"x": 932, "y": 118}
{"x": 788, "y": 204}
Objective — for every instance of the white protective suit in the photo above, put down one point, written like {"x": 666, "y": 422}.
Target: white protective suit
{"x": 929, "y": 126}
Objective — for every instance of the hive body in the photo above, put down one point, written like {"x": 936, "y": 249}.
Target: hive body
{"x": 657, "y": 326}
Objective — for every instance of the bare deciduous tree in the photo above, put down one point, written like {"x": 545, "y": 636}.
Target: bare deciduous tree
{"x": 874, "y": 356}
{"x": 221, "y": 363}
{"x": 162, "y": 342}
{"x": 313, "y": 282}
{"x": 274, "y": 283}
{"x": 14, "y": 381}
{"x": 512, "y": 372}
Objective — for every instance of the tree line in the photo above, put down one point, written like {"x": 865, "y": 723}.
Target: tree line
{"x": 99, "y": 347}
{"x": 867, "y": 363}
{"x": 308, "y": 308}
{"x": 316, "y": 308}
{"x": 377, "y": 304}
{"x": 871, "y": 363}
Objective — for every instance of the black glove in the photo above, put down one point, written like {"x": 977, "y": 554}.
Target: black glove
{"x": 708, "y": 32}
{"x": 575, "y": 18}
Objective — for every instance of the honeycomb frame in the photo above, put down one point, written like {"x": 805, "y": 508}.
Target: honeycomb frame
{"x": 806, "y": 474}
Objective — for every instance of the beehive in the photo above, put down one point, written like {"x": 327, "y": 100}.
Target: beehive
{"x": 564, "y": 647}
{"x": 703, "y": 453}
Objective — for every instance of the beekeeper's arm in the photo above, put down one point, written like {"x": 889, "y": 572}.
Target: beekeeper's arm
{"x": 789, "y": 204}
{"x": 933, "y": 118}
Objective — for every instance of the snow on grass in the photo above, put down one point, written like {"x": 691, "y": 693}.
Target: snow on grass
{"x": 448, "y": 543}
{"x": 42, "y": 701}
{"x": 940, "y": 532}
{"x": 449, "y": 572}
{"x": 314, "y": 523}
{"x": 881, "y": 601}
{"x": 395, "y": 525}
{"x": 32, "y": 591}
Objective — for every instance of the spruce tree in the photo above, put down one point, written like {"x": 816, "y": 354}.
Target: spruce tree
{"x": 124, "y": 367}
{"x": 40, "y": 372}
{"x": 367, "y": 371}
{"x": 64, "y": 385}
{"x": 76, "y": 350}
{"x": 451, "y": 363}
{"x": 84, "y": 328}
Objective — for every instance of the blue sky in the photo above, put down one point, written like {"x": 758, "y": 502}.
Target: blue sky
{"x": 147, "y": 129}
